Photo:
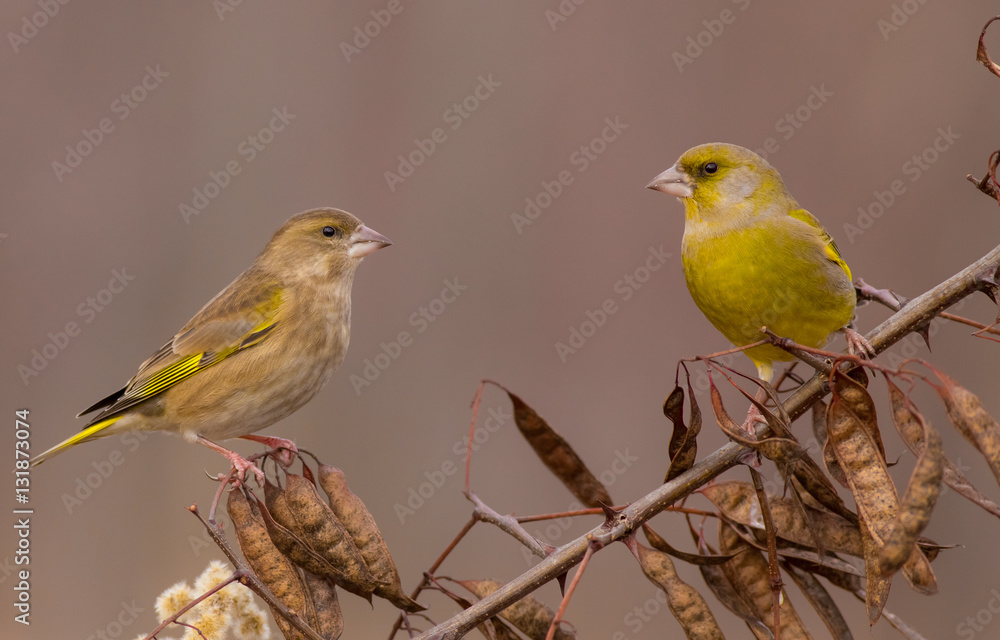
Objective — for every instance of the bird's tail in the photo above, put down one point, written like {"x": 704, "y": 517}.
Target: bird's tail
{"x": 87, "y": 434}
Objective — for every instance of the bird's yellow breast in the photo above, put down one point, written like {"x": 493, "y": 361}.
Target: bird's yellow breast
{"x": 773, "y": 274}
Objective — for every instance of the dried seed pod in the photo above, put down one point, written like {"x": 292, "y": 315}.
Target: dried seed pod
{"x": 557, "y": 454}
{"x": 268, "y": 563}
{"x": 749, "y": 571}
{"x": 684, "y": 601}
{"x": 322, "y": 595}
{"x": 918, "y": 502}
{"x": 657, "y": 542}
{"x": 738, "y": 502}
{"x": 358, "y": 522}
{"x": 529, "y": 616}
{"x": 868, "y": 476}
{"x": 966, "y": 412}
{"x": 912, "y": 433}
{"x": 300, "y": 509}
{"x": 291, "y": 545}
{"x": 876, "y": 585}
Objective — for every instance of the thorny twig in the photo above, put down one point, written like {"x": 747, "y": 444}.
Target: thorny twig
{"x": 979, "y": 276}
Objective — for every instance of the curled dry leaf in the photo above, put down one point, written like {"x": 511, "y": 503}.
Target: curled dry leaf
{"x": 749, "y": 573}
{"x": 529, "y": 616}
{"x": 737, "y": 501}
{"x": 966, "y": 412}
{"x": 300, "y": 509}
{"x": 683, "y": 447}
{"x": 921, "y": 493}
{"x": 268, "y": 563}
{"x": 912, "y": 433}
{"x": 358, "y": 522}
{"x": 684, "y": 601}
{"x": 557, "y": 454}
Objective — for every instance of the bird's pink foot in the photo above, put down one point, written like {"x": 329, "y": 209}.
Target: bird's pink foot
{"x": 754, "y": 416}
{"x": 283, "y": 450}
{"x": 240, "y": 464}
{"x": 858, "y": 345}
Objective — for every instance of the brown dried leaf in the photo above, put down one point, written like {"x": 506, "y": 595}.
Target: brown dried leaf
{"x": 821, "y": 601}
{"x": 358, "y": 521}
{"x": 911, "y": 431}
{"x": 559, "y": 456}
{"x": 749, "y": 573}
{"x": 684, "y": 601}
{"x": 683, "y": 447}
{"x": 529, "y": 616}
{"x": 658, "y": 543}
{"x": 300, "y": 509}
{"x": 268, "y": 563}
{"x": 738, "y": 502}
{"x": 966, "y": 412}
{"x": 921, "y": 494}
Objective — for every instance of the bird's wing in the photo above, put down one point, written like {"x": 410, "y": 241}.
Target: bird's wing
{"x": 829, "y": 246}
{"x": 229, "y": 323}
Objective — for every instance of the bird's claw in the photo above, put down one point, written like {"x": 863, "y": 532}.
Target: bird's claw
{"x": 858, "y": 345}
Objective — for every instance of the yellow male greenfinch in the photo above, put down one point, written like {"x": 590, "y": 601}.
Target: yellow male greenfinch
{"x": 753, "y": 257}
{"x": 259, "y": 350}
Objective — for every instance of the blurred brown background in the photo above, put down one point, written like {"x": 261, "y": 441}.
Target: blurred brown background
{"x": 546, "y": 87}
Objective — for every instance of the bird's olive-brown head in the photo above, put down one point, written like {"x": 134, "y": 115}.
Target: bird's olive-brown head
{"x": 321, "y": 242}
{"x": 720, "y": 179}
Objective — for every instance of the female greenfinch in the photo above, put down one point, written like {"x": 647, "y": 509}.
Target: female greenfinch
{"x": 753, "y": 257}
{"x": 259, "y": 349}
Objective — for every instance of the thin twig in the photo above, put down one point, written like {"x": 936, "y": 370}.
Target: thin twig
{"x": 507, "y": 524}
{"x": 569, "y": 593}
{"x": 175, "y": 618}
{"x": 250, "y": 580}
{"x": 976, "y": 277}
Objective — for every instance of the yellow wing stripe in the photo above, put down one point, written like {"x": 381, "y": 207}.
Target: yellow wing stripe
{"x": 86, "y": 434}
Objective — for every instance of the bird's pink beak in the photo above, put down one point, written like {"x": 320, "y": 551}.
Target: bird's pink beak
{"x": 674, "y": 182}
{"x": 365, "y": 241}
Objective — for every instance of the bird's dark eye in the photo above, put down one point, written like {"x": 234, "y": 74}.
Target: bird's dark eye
{"x": 330, "y": 232}
{"x": 711, "y": 167}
